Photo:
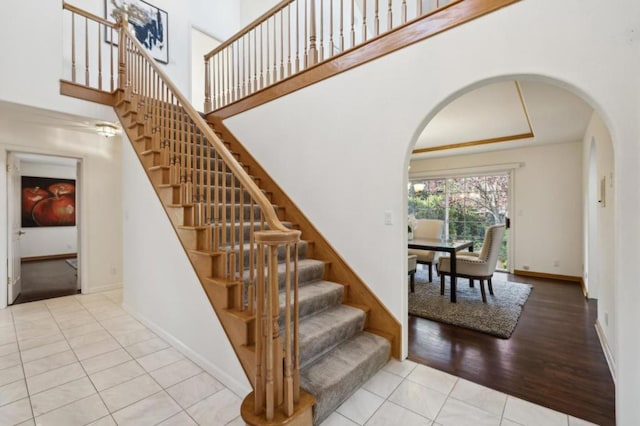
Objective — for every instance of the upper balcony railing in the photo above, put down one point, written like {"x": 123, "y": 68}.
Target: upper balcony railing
{"x": 294, "y": 36}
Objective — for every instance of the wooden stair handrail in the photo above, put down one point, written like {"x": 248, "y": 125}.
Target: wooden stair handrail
{"x": 89, "y": 15}
{"x": 248, "y": 27}
{"x": 237, "y": 170}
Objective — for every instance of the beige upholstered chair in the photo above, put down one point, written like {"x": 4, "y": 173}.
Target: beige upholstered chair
{"x": 429, "y": 229}
{"x": 480, "y": 266}
{"x": 412, "y": 260}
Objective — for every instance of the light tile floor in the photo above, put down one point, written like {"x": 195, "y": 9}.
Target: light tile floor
{"x": 82, "y": 360}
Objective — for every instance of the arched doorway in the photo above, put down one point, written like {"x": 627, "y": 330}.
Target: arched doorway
{"x": 551, "y": 201}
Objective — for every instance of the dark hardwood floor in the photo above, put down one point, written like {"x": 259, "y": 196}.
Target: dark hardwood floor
{"x": 45, "y": 279}
{"x": 553, "y": 358}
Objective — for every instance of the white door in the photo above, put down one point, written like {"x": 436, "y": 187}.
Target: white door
{"x": 14, "y": 231}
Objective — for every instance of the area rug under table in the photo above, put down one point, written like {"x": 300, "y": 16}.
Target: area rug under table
{"x": 497, "y": 317}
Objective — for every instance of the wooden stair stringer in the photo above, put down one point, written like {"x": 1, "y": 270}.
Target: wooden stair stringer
{"x": 379, "y": 320}
{"x": 229, "y": 322}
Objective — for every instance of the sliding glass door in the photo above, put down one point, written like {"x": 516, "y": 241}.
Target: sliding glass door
{"x": 468, "y": 205}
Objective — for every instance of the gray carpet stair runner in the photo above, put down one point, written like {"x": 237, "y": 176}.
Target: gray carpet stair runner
{"x": 336, "y": 355}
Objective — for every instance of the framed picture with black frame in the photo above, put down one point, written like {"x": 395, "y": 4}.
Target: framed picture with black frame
{"x": 152, "y": 33}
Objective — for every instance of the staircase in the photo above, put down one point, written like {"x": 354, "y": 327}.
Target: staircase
{"x": 336, "y": 354}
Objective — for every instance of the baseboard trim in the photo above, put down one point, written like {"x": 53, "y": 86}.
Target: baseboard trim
{"x": 235, "y": 386}
{"x": 49, "y": 257}
{"x": 585, "y": 292}
{"x": 607, "y": 350}
{"x": 102, "y": 288}
{"x": 571, "y": 278}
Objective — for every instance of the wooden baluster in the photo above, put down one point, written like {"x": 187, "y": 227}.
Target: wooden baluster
{"x": 304, "y": 38}
{"x": 189, "y": 149}
{"x": 353, "y": 31}
{"x": 223, "y": 208}
{"x": 289, "y": 39}
{"x": 404, "y": 11}
{"x": 241, "y": 243}
{"x": 390, "y": 16}
{"x": 173, "y": 167}
{"x": 330, "y": 54}
{"x": 229, "y": 83}
{"x": 341, "y": 26}
{"x": 313, "y": 51}
{"x": 237, "y": 70}
{"x": 207, "y": 85}
{"x": 255, "y": 60}
{"x": 241, "y": 54}
{"x": 207, "y": 200}
{"x": 288, "y": 365}
{"x": 252, "y": 264}
{"x": 272, "y": 277}
{"x": 73, "y": 47}
{"x": 281, "y": 44}
{"x": 261, "y": 57}
{"x": 218, "y": 90}
{"x": 419, "y": 8}
{"x": 246, "y": 64}
{"x": 298, "y": 35}
{"x": 275, "y": 50}
{"x": 86, "y": 52}
{"x": 216, "y": 201}
{"x": 261, "y": 335}
{"x": 232, "y": 71}
{"x": 227, "y": 93}
{"x": 100, "y": 56}
{"x": 164, "y": 122}
{"x": 268, "y": 75}
{"x": 321, "y": 30}
{"x": 376, "y": 23}
{"x": 233, "y": 241}
{"x": 296, "y": 328}
{"x": 111, "y": 86}
{"x": 364, "y": 20}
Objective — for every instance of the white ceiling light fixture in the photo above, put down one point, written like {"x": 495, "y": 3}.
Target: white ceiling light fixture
{"x": 107, "y": 130}
{"x": 418, "y": 187}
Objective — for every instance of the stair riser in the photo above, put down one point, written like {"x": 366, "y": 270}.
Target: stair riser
{"x": 210, "y": 265}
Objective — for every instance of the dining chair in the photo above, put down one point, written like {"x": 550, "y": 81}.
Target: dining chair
{"x": 480, "y": 266}
{"x": 428, "y": 229}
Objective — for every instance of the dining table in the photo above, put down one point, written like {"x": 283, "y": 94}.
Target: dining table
{"x": 444, "y": 245}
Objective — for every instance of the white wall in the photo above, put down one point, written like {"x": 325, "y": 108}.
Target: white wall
{"x": 343, "y": 144}
{"x": 547, "y": 208}
{"x": 100, "y": 188}
{"x": 161, "y": 287}
{"x": 601, "y": 264}
{"x": 48, "y": 240}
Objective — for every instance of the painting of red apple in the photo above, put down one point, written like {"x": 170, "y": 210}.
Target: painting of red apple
{"x": 48, "y": 202}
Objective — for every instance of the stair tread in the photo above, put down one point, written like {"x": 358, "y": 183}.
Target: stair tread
{"x": 322, "y": 331}
{"x": 336, "y": 375}
{"x": 315, "y": 297}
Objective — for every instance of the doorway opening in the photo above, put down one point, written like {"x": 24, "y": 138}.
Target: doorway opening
{"x": 44, "y": 244}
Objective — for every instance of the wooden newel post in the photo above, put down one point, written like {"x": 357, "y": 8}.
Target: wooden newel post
{"x": 313, "y": 52}
{"x": 276, "y": 352}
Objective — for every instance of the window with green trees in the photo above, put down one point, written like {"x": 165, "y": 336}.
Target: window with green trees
{"x": 468, "y": 205}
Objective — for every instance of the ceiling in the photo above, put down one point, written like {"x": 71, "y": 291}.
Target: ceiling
{"x": 43, "y": 118}
{"x": 504, "y": 115}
